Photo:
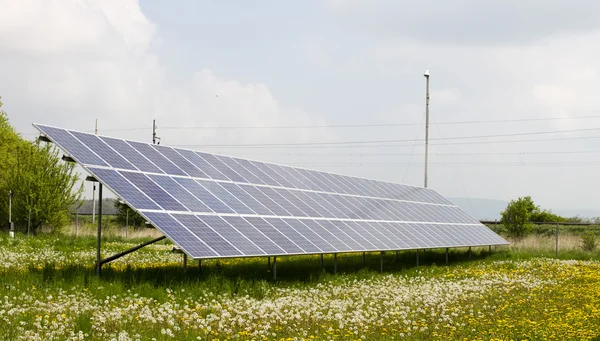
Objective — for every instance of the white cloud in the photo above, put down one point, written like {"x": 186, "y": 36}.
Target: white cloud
{"x": 66, "y": 63}
{"x": 69, "y": 62}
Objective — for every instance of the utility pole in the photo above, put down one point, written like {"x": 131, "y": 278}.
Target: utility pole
{"x": 155, "y": 139}
{"x": 426, "y": 123}
{"x": 94, "y": 184}
{"x": 11, "y": 225}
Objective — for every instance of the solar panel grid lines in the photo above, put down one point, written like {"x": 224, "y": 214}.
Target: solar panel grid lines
{"x": 157, "y": 158}
{"x": 75, "y": 148}
{"x": 183, "y": 237}
{"x": 111, "y": 157}
{"x": 230, "y": 173}
{"x": 191, "y": 152}
{"x": 231, "y": 207}
{"x": 180, "y": 161}
{"x": 133, "y": 156}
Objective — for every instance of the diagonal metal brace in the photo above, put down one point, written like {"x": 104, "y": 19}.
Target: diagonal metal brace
{"x": 126, "y": 252}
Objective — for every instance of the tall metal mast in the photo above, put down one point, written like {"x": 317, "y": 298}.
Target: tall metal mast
{"x": 426, "y": 124}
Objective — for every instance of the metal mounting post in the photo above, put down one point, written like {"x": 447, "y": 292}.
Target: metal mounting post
{"x": 490, "y": 249}
{"x": 321, "y": 262}
{"x": 364, "y": 259}
{"x": 381, "y": 261}
{"x": 184, "y": 262}
{"x": 274, "y": 268}
{"x": 417, "y": 257}
{"x": 269, "y": 263}
{"x": 396, "y": 259}
{"x": 470, "y": 253}
{"x": 334, "y": 262}
{"x": 98, "y": 242}
{"x": 200, "y": 266}
{"x": 446, "y": 256}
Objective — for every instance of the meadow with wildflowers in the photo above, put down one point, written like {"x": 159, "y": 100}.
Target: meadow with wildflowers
{"x": 48, "y": 291}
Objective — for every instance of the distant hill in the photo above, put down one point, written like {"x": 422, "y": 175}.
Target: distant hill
{"x": 489, "y": 209}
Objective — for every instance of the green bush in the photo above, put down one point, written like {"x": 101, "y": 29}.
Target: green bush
{"x": 589, "y": 241}
{"x": 516, "y": 217}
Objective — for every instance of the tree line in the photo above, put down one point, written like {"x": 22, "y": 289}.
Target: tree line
{"x": 45, "y": 188}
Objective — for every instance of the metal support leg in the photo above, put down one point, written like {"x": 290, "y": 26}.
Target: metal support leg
{"x": 199, "y": 266}
{"x": 417, "y": 257}
{"x": 321, "y": 262}
{"x": 98, "y": 242}
{"x": 364, "y": 259}
{"x": 446, "y": 256}
{"x": 470, "y": 253}
{"x": 381, "y": 261}
{"x": 269, "y": 263}
{"x": 396, "y": 259}
{"x": 274, "y": 268}
{"x": 490, "y": 249}
{"x": 185, "y": 262}
{"x": 334, "y": 262}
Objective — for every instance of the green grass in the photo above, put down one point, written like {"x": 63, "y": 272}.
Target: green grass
{"x": 154, "y": 277}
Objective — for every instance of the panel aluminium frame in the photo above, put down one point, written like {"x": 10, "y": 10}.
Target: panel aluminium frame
{"x": 158, "y": 227}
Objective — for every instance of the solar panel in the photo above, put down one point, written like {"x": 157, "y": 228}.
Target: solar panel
{"x": 216, "y": 206}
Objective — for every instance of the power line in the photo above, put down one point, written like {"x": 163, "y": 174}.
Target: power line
{"x": 410, "y": 145}
{"x": 434, "y": 154}
{"x": 524, "y": 164}
{"x": 387, "y": 141}
{"x": 367, "y": 125}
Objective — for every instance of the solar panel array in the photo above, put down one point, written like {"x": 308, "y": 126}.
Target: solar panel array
{"x": 216, "y": 206}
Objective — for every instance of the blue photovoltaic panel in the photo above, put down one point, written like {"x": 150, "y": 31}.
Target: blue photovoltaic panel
{"x": 247, "y": 199}
{"x": 131, "y": 155}
{"x": 204, "y": 195}
{"x": 180, "y": 193}
{"x": 157, "y": 158}
{"x": 209, "y": 236}
{"x": 222, "y": 167}
{"x": 152, "y": 190}
{"x": 181, "y": 162}
{"x": 292, "y": 234}
{"x": 187, "y": 240}
{"x": 241, "y": 170}
{"x": 255, "y": 235}
{"x": 311, "y": 235}
{"x": 202, "y": 165}
{"x": 276, "y": 236}
{"x": 218, "y": 206}
{"x": 234, "y": 203}
{"x": 134, "y": 197}
{"x": 104, "y": 151}
{"x": 71, "y": 145}
{"x": 230, "y": 233}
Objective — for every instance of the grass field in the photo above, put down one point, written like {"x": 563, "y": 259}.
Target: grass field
{"x": 49, "y": 291}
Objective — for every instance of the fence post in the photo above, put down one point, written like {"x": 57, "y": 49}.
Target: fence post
{"x": 556, "y": 239}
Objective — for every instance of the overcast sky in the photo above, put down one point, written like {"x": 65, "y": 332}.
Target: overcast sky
{"x": 327, "y": 63}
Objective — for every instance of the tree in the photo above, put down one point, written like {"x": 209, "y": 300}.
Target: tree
{"x": 134, "y": 218}
{"x": 545, "y": 216}
{"x": 43, "y": 184}
{"x": 516, "y": 217}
